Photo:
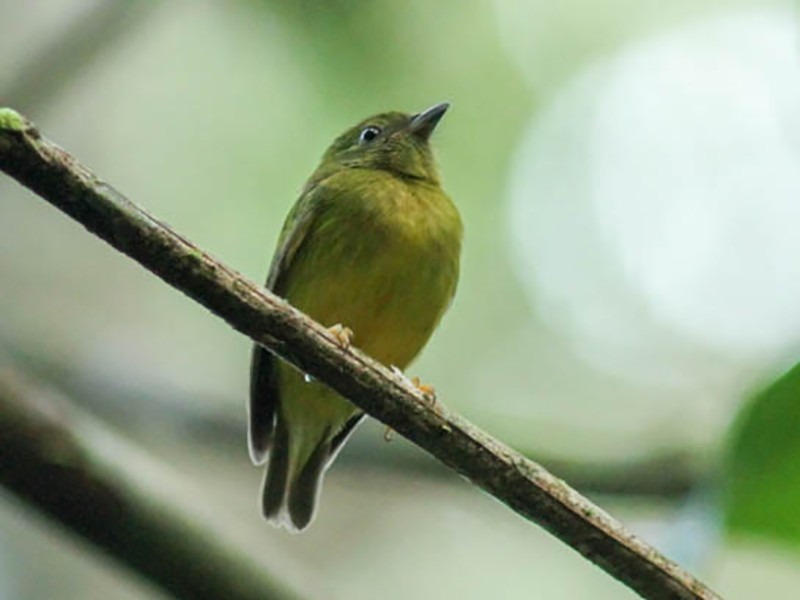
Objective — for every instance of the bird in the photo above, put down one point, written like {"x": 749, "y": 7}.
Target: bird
{"x": 371, "y": 250}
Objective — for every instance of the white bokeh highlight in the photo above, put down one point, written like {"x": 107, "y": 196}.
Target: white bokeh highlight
{"x": 655, "y": 202}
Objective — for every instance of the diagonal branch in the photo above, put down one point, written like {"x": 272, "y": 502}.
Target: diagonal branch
{"x": 520, "y": 483}
{"x": 63, "y": 462}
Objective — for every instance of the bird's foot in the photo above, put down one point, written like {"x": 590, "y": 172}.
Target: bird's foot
{"x": 428, "y": 391}
{"x": 344, "y": 335}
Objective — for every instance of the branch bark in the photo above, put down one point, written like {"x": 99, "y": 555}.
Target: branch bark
{"x": 523, "y": 485}
{"x": 61, "y": 461}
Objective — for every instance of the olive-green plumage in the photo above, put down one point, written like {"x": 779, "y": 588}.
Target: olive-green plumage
{"x": 372, "y": 244}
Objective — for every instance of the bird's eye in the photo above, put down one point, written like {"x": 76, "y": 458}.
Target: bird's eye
{"x": 368, "y": 134}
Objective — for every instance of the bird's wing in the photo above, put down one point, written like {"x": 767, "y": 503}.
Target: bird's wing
{"x": 263, "y": 373}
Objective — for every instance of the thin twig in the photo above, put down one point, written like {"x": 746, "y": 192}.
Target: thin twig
{"x": 68, "y": 465}
{"x": 520, "y": 483}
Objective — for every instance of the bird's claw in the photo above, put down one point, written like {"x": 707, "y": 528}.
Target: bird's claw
{"x": 344, "y": 335}
{"x": 428, "y": 391}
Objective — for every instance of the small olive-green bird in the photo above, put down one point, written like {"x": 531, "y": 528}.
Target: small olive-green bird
{"x": 372, "y": 246}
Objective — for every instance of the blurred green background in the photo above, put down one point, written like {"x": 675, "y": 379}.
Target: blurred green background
{"x": 628, "y": 177}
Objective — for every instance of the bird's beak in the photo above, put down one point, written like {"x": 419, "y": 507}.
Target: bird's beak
{"x": 423, "y": 124}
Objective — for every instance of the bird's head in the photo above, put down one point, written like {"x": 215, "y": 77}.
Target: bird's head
{"x": 394, "y": 141}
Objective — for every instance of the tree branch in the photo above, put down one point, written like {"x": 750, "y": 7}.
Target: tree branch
{"x": 522, "y": 484}
{"x": 69, "y": 466}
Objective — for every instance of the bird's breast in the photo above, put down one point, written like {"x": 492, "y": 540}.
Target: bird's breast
{"x": 386, "y": 268}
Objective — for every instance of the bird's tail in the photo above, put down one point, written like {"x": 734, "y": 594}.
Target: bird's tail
{"x": 295, "y": 471}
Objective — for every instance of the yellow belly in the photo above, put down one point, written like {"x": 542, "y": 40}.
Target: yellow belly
{"x": 392, "y": 308}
